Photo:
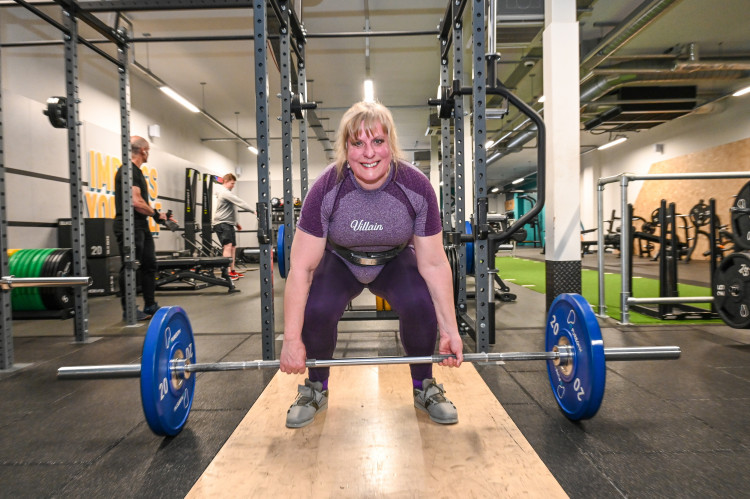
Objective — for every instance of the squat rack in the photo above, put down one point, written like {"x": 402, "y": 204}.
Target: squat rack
{"x": 69, "y": 29}
{"x": 72, "y": 12}
{"x": 288, "y": 25}
{"x": 484, "y": 83}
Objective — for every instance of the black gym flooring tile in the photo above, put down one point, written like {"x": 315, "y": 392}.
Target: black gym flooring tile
{"x": 38, "y": 480}
{"x": 685, "y": 475}
{"x": 143, "y": 465}
{"x": 665, "y": 429}
{"x": 64, "y": 438}
{"x": 648, "y": 456}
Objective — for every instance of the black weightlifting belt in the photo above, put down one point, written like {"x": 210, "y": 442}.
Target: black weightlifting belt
{"x": 366, "y": 258}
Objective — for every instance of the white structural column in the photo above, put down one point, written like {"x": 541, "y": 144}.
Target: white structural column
{"x": 562, "y": 119}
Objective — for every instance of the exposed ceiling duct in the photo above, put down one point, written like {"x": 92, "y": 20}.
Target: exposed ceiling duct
{"x": 636, "y": 22}
{"x": 601, "y": 86}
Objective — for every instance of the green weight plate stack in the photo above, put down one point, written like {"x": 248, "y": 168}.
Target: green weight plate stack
{"x": 35, "y": 263}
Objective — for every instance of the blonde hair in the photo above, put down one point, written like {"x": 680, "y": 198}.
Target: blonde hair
{"x": 369, "y": 115}
{"x": 228, "y": 178}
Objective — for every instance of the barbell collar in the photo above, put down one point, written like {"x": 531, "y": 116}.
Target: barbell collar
{"x": 671, "y": 300}
{"x": 643, "y": 353}
{"x": 99, "y": 372}
{"x": 182, "y": 367}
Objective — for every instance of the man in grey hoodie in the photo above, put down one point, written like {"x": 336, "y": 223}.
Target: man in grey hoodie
{"x": 225, "y": 219}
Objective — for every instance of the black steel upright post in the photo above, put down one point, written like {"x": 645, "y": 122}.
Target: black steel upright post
{"x": 482, "y": 277}
{"x": 285, "y": 64}
{"x": 207, "y": 201}
{"x": 78, "y": 235}
{"x": 713, "y": 250}
{"x": 191, "y": 223}
{"x": 126, "y": 181}
{"x": 264, "y": 213}
{"x": 302, "y": 123}
{"x": 446, "y": 168}
{"x": 6, "y": 313}
{"x": 673, "y": 253}
{"x": 458, "y": 152}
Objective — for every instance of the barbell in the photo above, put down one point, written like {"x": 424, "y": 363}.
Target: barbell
{"x": 575, "y": 357}
{"x": 10, "y": 282}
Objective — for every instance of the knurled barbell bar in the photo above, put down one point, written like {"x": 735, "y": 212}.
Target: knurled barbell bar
{"x": 575, "y": 356}
{"x": 10, "y": 282}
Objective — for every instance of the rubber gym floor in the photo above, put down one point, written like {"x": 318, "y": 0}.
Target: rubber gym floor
{"x": 665, "y": 429}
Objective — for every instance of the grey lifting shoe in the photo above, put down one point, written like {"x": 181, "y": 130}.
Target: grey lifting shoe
{"x": 311, "y": 399}
{"x": 431, "y": 399}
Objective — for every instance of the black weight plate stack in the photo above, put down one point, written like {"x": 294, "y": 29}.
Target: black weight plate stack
{"x": 655, "y": 216}
{"x": 48, "y": 271}
{"x": 700, "y": 214}
{"x": 519, "y": 236}
{"x": 452, "y": 254}
{"x": 732, "y": 290}
{"x": 59, "y": 264}
{"x": 741, "y": 218}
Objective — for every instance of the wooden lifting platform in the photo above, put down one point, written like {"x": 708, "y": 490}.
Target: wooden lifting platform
{"x": 375, "y": 443}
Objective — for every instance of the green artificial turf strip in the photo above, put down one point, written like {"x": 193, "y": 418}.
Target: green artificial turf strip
{"x": 531, "y": 274}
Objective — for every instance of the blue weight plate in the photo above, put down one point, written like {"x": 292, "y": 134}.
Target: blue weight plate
{"x": 167, "y": 399}
{"x": 579, "y": 386}
{"x": 469, "y": 251}
{"x": 280, "y": 251}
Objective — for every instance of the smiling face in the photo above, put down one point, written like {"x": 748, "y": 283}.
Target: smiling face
{"x": 369, "y": 156}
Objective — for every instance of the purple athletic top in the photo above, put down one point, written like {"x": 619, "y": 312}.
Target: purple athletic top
{"x": 377, "y": 220}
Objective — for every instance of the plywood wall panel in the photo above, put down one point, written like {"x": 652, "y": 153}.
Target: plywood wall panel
{"x": 731, "y": 157}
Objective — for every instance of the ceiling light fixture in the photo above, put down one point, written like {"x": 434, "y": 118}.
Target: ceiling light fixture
{"x": 182, "y": 100}
{"x": 495, "y": 189}
{"x": 619, "y": 139}
{"x": 741, "y": 92}
{"x": 252, "y": 150}
{"x": 518, "y": 180}
{"x": 541, "y": 99}
{"x": 369, "y": 91}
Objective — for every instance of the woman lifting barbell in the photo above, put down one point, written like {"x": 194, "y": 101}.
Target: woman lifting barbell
{"x": 370, "y": 220}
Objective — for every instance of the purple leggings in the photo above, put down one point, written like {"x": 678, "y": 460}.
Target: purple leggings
{"x": 400, "y": 283}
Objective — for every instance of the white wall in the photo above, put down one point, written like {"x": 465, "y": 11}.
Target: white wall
{"x": 730, "y": 122}
{"x": 30, "y": 75}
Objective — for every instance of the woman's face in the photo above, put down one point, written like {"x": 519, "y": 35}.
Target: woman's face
{"x": 369, "y": 157}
